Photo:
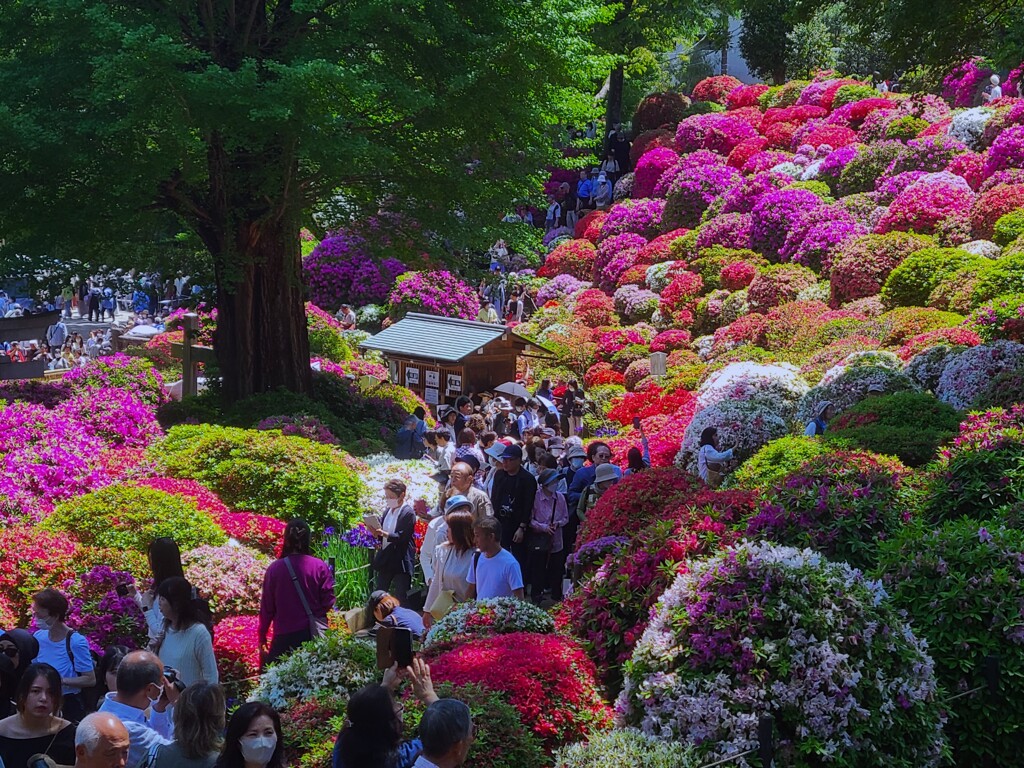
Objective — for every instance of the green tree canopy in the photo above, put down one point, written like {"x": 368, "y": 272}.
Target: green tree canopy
{"x": 241, "y": 117}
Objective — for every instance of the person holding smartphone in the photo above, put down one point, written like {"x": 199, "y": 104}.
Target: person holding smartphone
{"x": 637, "y": 461}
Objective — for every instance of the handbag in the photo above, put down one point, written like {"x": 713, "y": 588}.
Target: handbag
{"x": 317, "y": 626}
{"x": 445, "y": 599}
{"x": 539, "y": 543}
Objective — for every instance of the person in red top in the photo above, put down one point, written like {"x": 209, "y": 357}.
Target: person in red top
{"x": 281, "y": 607}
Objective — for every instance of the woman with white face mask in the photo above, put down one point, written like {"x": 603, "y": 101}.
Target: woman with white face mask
{"x": 396, "y": 558}
{"x": 253, "y": 739}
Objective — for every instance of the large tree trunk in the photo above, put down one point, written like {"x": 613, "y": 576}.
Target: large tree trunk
{"x": 613, "y": 103}
{"x": 261, "y": 341}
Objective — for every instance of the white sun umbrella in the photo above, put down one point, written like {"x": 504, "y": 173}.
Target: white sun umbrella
{"x": 513, "y": 389}
{"x": 547, "y": 404}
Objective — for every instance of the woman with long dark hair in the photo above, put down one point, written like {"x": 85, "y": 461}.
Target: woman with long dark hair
{"x": 164, "y": 563}
{"x": 253, "y": 738}
{"x": 185, "y": 643}
{"x": 298, "y": 591}
{"x": 372, "y": 736}
{"x": 37, "y": 727}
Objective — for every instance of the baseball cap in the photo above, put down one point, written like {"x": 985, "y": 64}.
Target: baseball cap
{"x": 456, "y": 501}
{"x": 512, "y": 452}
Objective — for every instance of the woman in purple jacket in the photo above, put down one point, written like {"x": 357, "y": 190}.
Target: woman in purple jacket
{"x": 293, "y": 576}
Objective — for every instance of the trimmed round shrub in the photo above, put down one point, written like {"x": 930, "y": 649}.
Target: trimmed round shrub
{"x": 776, "y": 460}
{"x": 1008, "y": 227}
{"x": 861, "y": 266}
{"x": 129, "y": 517}
{"x": 341, "y": 270}
{"x": 846, "y": 385}
{"x": 1003, "y": 391}
{"x": 434, "y": 293}
{"x": 485, "y": 618}
{"x": 911, "y": 282}
{"x": 547, "y": 678}
{"x": 981, "y": 475}
{"x": 963, "y": 586}
{"x": 993, "y": 204}
{"x": 626, "y": 748}
{"x": 908, "y": 425}
{"x": 840, "y": 504}
{"x": 265, "y": 472}
{"x": 764, "y": 629}
{"x": 658, "y": 109}
{"x": 968, "y": 373}
{"x": 572, "y": 257}
{"x": 778, "y": 283}
{"x": 998, "y": 277}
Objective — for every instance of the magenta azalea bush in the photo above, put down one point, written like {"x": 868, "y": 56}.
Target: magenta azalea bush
{"x": 342, "y": 270}
{"x": 434, "y": 293}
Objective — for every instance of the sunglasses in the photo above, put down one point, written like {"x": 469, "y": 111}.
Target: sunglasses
{"x": 9, "y": 651}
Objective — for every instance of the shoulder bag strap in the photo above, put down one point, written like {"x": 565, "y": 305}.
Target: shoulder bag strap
{"x": 298, "y": 588}
{"x": 67, "y": 646}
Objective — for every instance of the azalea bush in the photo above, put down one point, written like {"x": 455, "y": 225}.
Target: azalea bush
{"x": 610, "y": 610}
{"x": 981, "y": 475}
{"x": 547, "y": 678}
{"x": 962, "y": 584}
{"x": 100, "y": 614}
{"x": 237, "y": 649}
{"x": 769, "y": 629}
{"x": 779, "y": 458}
{"x": 434, "y": 293}
{"x": 485, "y": 618}
{"x": 967, "y": 373}
{"x": 230, "y": 577}
{"x": 841, "y": 504}
{"x": 908, "y": 425}
{"x": 341, "y": 270}
{"x": 131, "y": 374}
{"x": 334, "y": 663}
{"x": 129, "y": 517}
{"x": 628, "y": 748}
{"x": 264, "y": 472}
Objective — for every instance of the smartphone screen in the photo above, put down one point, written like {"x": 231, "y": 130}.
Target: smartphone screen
{"x": 636, "y": 422}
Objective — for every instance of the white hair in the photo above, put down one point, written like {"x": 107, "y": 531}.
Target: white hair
{"x": 88, "y": 733}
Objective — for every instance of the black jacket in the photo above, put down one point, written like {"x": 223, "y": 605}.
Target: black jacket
{"x": 523, "y": 486}
{"x": 400, "y": 555}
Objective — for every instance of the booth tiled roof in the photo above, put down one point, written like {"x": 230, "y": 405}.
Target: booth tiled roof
{"x": 444, "y": 339}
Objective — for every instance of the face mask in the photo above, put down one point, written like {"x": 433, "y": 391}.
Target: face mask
{"x": 258, "y": 749}
{"x": 391, "y": 503}
{"x": 494, "y": 463}
{"x": 153, "y": 702}
{"x": 46, "y": 623}
{"x": 576, "y": 462}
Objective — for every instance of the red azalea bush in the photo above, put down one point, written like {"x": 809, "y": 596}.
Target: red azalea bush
{"x": 992, "y": 204}
{"x": 611, "y": 609}
{"x": 745, "y": 96}
{"x": 658, "y": 109}
{"x": 840, "y": 503}
{"x": 635, "y": 275}
{"x": 745, "y": 150}
{"x": 670, "y": 340}
{"x": 572, "y": 257}
{"x": 715, "y": 89}
{"x": 835, "y": 136}
{"x": 796, "y": 115}
{"x": 594, "y": 308}
{"x": 863, "y": 263}
{"x": 970, "y": 166}
{"x": 956, "y": 336}
{"x": 600, "y": 374}
{"x": 237, "y": 648}
{"x": 679, "y": 294}
{"x": 660, "y": 248}
{"x": 644, "y": 497}
{"x": 30, "y": 560}
{"x": 738, "y": 275}
{"x": 748, "y": 329}
{"x": 589, "y": 227}
{"x": 649, "y": 402}
{"x": 547, "y": 678}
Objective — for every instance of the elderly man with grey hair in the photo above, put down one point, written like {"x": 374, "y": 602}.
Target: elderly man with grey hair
{"x": 446, "y": 731}
{"x": 101, "y": 741}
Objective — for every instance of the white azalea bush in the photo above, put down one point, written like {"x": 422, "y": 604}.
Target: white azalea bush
{"x": 334, "y": 664}
{"x": 415, "y": 473}
{"x": 967, "y": 373}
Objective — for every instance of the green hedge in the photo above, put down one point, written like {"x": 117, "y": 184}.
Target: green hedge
{"x": 910, "y": 284}
{"x": 265, "y": 472}
{"x": 129, "y": 517}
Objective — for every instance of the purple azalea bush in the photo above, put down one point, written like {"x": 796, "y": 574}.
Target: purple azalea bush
{"x": 342, "y": 270}
{"x": 434, "y": 293}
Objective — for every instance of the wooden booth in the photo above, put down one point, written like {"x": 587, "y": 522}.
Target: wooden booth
{"x": 23, "y": 330}
{"x": 440, "y": 358}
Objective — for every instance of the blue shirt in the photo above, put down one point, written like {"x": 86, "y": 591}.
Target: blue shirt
{"x": 584, "y": 188}
{"x": 406, "y": 755}
{"x": 406, "y": 619}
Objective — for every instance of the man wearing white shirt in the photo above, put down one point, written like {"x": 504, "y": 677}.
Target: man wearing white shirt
{"x": 141, "y": 685}
{"x": 446, "y": 730}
